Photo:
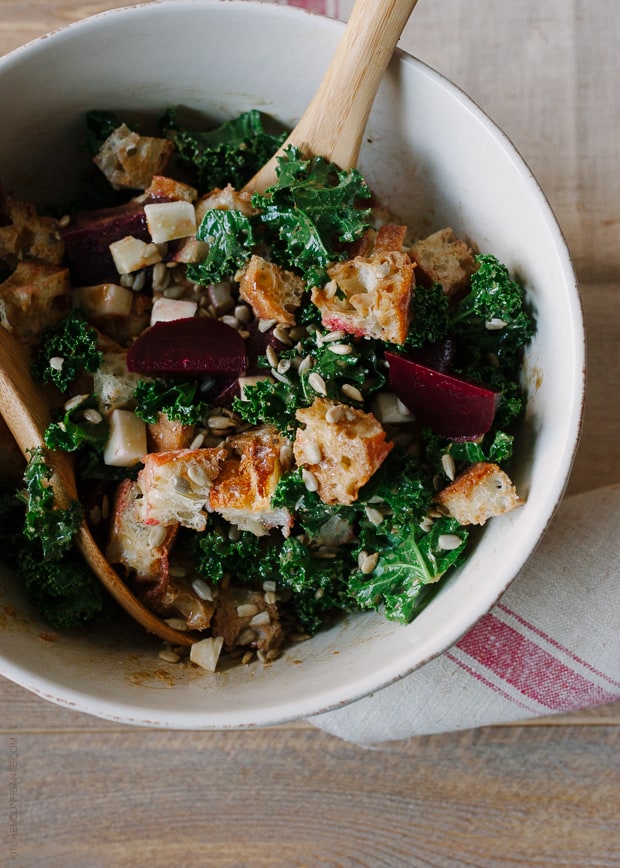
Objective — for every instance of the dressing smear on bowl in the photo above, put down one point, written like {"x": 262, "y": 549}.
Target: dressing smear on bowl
{"x": 282, "y": 407}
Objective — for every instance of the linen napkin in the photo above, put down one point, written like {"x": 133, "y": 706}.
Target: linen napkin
{"x": 550, "y": 645}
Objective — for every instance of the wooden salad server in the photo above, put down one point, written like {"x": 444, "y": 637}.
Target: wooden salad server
{"x": 333, "y": 124}
{"x": 26, "y": 410}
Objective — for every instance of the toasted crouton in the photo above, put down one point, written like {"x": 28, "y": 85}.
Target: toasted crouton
{"x": 130, "y": 161}
{"x": 162, "y": 187}
{"x": 235, "y": 620}
{"x": 443, "y": 258}
{"x": 271, "y": 291}
{"x": 370, "y": 295}
{"x": 167, "y": 435}
{"x": 26, "y": 235}
{"x": 225, "y": 199}
{"x": 242, "y": 492}
{"x": 176, "y": 486}
{"x": 479, "y": 493}
{"x": 341, "y": 456}
{"x": 34, "y": 297}
{"x": 141, "y": 550}
{"x": 113, "y": 384}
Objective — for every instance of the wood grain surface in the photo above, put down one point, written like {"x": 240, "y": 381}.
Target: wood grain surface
{"x": 78, "y": 791}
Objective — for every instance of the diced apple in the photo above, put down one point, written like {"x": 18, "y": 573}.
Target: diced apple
{"x": 105, "y": 299}
{"x": 132, "y": 254}
{"x": 126, "y": 444}
{"x": 168, "y": 221}
{"x": 169, "y": 309}
{"x": 449, "y": 405}
{"x": 197, "y": 346}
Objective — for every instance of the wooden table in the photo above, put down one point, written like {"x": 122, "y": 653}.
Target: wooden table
{"x": 93, "y": 793}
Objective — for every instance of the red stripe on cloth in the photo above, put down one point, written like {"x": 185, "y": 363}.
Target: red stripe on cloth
{"x": 487, "y": 682}
{"x": 538, "y": 632}
{"x": 318, "y": 6}
{"x": 531, "y": 670}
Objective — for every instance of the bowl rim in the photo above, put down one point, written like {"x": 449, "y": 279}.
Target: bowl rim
{"x": 125, "y": 711}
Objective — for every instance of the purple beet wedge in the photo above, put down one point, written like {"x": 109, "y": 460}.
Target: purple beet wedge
{"x": 450, "y": 406}
{"x": 192, "y": 347}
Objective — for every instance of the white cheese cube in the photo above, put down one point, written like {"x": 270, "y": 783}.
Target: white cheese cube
{"x": 105, "y": 299}
{"x": 168, "y": 309}
{"x": 132, "y": 254}
{"x": 170, "y": 220}
{"x": 390, "y": 411}
{"x": 126, "y": 441}
{"x": 206, "y": 652}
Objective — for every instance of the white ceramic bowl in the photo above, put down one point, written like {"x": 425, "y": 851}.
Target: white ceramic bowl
{"x": 437, "y": 160}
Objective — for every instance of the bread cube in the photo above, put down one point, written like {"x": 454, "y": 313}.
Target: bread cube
{"x": 481, "y": 492}
{"x": 139, "y": 548}
{"x": 24, "y": 234}
{"x": 162, "y": 187}
{"x": 176, "y": 486}
{"x": 340, "y": 456}
{"x": 130, "y": 161}
{"x": 271, "y": 291}
{"x": 370, "y": 295}
{"x": 34, "y": 297}
{"x": 443, "y": 258}
{"x": 242, "y": 492}
{"x": 113, "y": 384}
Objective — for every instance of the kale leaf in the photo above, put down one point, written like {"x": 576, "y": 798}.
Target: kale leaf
{"x": 319, "y": 585}
{"x": 63, "y": 590}
{"x": 231, "y": 153}
{"x": 74, "y": 430}
{"x": 230, "y": 236}
{"x": 53, "y": 526}
{"x": 429, "y": 321}
{"x": 176, "y": 400}
{"x": 409, "y": 560}
{"x": 67, "y": 350}
{"x": 492, "y": 317}
{"x": 310, "y": 212}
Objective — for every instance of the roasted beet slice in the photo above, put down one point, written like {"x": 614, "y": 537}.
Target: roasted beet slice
{"x": 88, "y": 236}
{"x": 198, "y": 346}
{"x": 450, "y": 406}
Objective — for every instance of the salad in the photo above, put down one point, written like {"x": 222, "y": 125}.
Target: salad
{"x": 282, "y": 406}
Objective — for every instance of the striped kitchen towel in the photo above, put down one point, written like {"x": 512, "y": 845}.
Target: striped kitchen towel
{"x": 550, "y": 645}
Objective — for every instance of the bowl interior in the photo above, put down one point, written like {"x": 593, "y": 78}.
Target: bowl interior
{"x": 436, "y": 160}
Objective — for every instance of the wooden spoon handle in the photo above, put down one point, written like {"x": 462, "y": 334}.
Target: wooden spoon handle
{"x": 334, "y": 122}
{"x": 27, "y": 415}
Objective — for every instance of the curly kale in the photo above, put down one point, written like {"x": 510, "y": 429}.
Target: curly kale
{"x": 319, "y": 585}
{"x": 410, "y": 559}
{"x": 230, "y": 237}
{"x": 304, "y": 219}
{"x": 177, "y": 400}
{"x": 429, "y": 322}
{"x": 229, "y": 154}
{"x": 63, "y": 590}
{"x": 492, "y": 318}
{"x": 67, "y": 350}
{"x": 217, "y": 555}
{"x": 75, "y": 429}
{"x": 53, "y": 526}
{"x": 277, "y": 402}
{"x": 311, "y": 211}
